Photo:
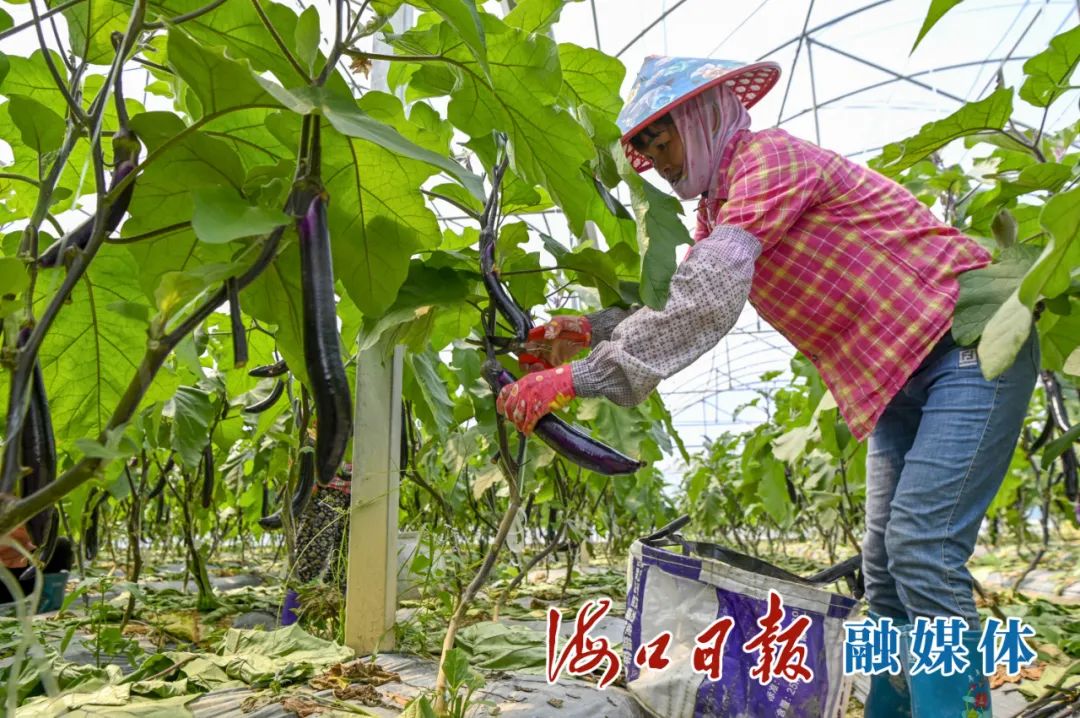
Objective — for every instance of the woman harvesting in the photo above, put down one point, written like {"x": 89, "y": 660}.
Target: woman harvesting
{"x": 862, "y": 279}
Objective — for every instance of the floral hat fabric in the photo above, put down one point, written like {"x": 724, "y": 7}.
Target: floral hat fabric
{"x": 664, "y": 82}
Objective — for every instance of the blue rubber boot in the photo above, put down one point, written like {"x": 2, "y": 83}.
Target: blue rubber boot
{"x": 964, "y": 694}
{"x": 288, "y": 608}
{"x": 889, "y": 696}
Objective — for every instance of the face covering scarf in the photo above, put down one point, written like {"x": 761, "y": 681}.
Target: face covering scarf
{"x": 706, "y": 124}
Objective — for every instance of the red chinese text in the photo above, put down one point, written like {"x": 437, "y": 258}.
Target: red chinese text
{"x": 790, "y": 660}
{"x": 582, "y": 654}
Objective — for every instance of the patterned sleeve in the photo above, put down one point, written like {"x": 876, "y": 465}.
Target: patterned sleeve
{"x": 708, "y": 292}
{"x": 603, "y": 322}
{"x": 772, "y": 183}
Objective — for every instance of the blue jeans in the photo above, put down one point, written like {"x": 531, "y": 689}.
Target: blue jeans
{"x": 935, "y": 461}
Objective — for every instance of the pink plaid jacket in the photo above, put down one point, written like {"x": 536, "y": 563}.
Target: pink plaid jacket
{"x": 854, "y": 270}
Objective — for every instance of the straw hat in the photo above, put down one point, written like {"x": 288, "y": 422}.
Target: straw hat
{"x": 665, "y": 82}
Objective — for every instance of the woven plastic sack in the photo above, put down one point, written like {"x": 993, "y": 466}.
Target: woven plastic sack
{"x": 684, "y": 586}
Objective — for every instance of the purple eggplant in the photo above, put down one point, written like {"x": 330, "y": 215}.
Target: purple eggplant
{"x": 268, "y": 371}
{"x": 126, "y": 152}
{"x": 322, "y": 345}
{"x": 300, "y": 499}
{"x": 570, "y": 442}
{"x": 208, "y": 477}
{"x": 500, "y": 296}
{"x": 271, "y": 399}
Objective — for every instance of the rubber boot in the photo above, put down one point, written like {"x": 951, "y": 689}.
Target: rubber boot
{"x": 889, "y": 696}
{"x": 288, "y": 609}
{"x": 965, "y": 694}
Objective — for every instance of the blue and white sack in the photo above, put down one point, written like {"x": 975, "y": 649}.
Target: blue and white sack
{"x": 684, "y": 586}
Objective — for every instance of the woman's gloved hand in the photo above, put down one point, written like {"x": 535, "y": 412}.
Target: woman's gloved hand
{"x": 556, "y": 342}
{"x": 529, "y": 398}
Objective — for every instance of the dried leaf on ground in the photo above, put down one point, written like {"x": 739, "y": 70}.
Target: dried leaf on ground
{"x": 1027, "y": 673}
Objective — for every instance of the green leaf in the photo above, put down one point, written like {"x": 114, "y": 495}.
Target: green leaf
{"x": 91, "y": 353}
{"x": 91, "y": 25}
{"x": 307, "y": 38}
{"x": 5, "y": 66}
{"x": 348, "y": 119}
{"x": 1058, "y": 446}
{"x": 1049, "y": 73}
{"x": 1050, "y": 275}
{"x": 433, "y": 388}
{"x": 30, "y": 77}
{"x": 772, "y": 490}
{"x": 593, "y": 77}
{"x": 1059, "y": 335}
{"x": 982, "y": 116}
{"x": 535, "y": 15}
{"x": 41, "y": 128}
{"x": 5, "y": 23}
{"x": 192, "y": 411}
{"x": 1003, "y": 336}
{"x": 13, "y": 276}
{"x": 237, "y": 27}
{"x": 983, "y": 291}
{"x": 218, "y": 82}
{"x": 660, "y": 231}
{"x": 937, "y": 10}
{"x": 221, "y": 216}
{"x": 378, "y": 218}
{"x": 464, "y": 18}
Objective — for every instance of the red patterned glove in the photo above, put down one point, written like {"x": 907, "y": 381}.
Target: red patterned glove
{"x": 528, "y": 399}
{"x": 556, "y": 342}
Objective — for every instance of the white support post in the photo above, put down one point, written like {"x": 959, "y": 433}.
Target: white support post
{"x": 371, "y": 594}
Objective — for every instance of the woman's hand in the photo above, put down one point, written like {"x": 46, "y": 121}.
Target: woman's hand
{"x": 528, "y": 399}
{"x": 556, "y": 342}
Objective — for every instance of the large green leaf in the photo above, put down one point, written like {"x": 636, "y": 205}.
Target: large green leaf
{"x": 41, "y": 129}
{"x": 307, "y": 38}
{"x": 1059, "y": 336}
{"x": 937, "y": 10}
{"x": 90, "y": 28}
{"x": 92, "y": 351}
{"x": 1003, "y": 336}
{"x": 191, "y": 411}
{"x": 593, "y": 77}
{"x": 378, "y": 218}
{"x": 983, "y": 291}
{"x": 29, "y": 76}
{"x": 237, "y": 27}
{"x": 345, "y": 116}
{"x": 195, "y": 162}
{"x": 985, "y": 115}
{"x": 1050, "y": 275}
{"x": 217, "y": 81}
{"x": 1049, "y": 72}
{"x": 221, "y": 215}
{"x": 463, "y": 16}
{"x": 535, "y": 15}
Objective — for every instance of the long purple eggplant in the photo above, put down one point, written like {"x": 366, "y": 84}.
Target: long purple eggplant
{"x": 300, "y": 499}
{"x": 271, "y": 399}
{"x": 268, "y": 371}
{"x": 500, "y": 296}
{"x": 570, "y": 442}
{"x": 38, "y": 455}
{"x": 126, "y": 154}
{"x": 208, "y": 477}
{"x": 322, "y": 345}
